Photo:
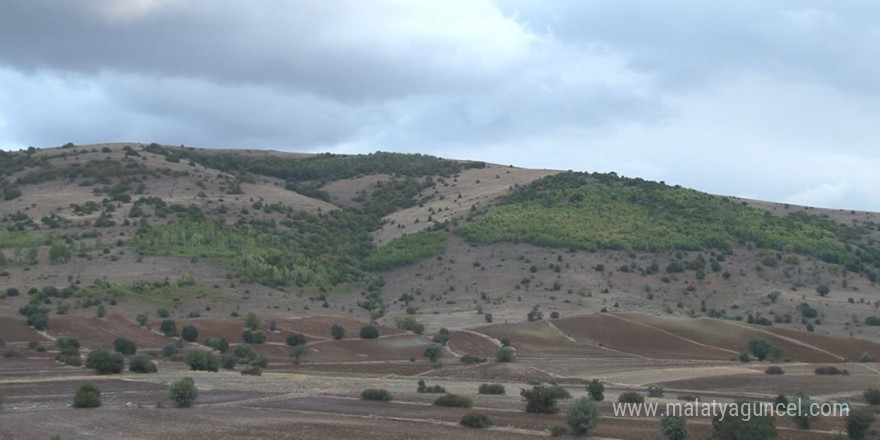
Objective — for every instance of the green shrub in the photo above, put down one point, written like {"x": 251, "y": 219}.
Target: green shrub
{"x": 454, "y": 400}
{"x": 491, "y": 388}
{"x": 582, "y": 416}
{"x": 252, "y": 370}
{"x": 674, "y": 428}
{"x": 296, "y": 339}
{"x": 505, "y": 354}
{"x": 872, "y": 321}
{"x": 168, "y": 327}
{"x": 87, "y": 396}
{"x": 858, "y": 423}
{"x": 228, "y": 361}
{"x": 475, "y": 420}
{"x": 558, "y": 430}
{"x": 202, "y": 360}
{"x": 655, "y": 391}
{"x": 631, "y": 397}
{"x": 872, "y": 396}
{"x": 774, "y": 370}
{"x": 369, "y": 332}
{"x": 141, "y": 363}
{"x": 433, "y": 352}
{"x": 731, "y": 426}
{"x": 763, "y": 349}
{"x": 162, "y": 312}
{"x": 827, "y": 371}
{"x": 65, "y": 342}
{"x": 596, "y": 390}
{"x": 183, "y": 392}
{"x": 376, "y": 394}
{"x": 469, "y": 359}
{"x": 337, "y": 331}
{"x": 105, "y": 362}
{"x": 189, "y": 333}
{"x": 170, "y": 350}
{"x": 124, "y": 346}
{"x": 406, "y": 249}
{"x": 540, "y": 400}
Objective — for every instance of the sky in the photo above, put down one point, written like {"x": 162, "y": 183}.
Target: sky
{"x": 773, "y": 100}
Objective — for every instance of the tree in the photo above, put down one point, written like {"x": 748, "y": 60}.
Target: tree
{"x": 104, "y": 362}
{"x": 337, "y": 332}
{"x": 433, "y": 352}
{"x": 297, "y": 352}
{"x": 378, "y": 395}
{"x": 858, "y": 423}
{"x": 582, "y": 416}
{"x": 596, "y": 390}
{"x": 802, "y": 417}
{"x": 762, "y": 349}
{"x": 168, "y": 327}
{"x": 142, "y": 319}
{"x": 223, "y": 345}
{"x": 674, "y": 428}
{"x": 183, "y": 392}
{"x": 731, "y": 425}
{"x": 872, "y": 396}
{"x": 59, "y": 253}
{"x": 101, "y": 311}
{"x": 202, "y": 360}
{"x": 87, "y": 396}
{"x": 505, "y": 354}
{"x": 296, "y": 339}
{"x": 141, "y": 363}
{"x": 823, "y": 290}
{"x": 475, "y": 420}
{"x": 124, "y": 346}
{"x": 189, "y": 333}
{"x": 540, "y": 399}
{"x": 252, "y": 322}
{"x": 369, "y": 332}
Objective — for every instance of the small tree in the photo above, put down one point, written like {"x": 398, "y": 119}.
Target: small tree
{"x": 252, "y": 322}
{"x": 858, "y": 423}
{"x": 730, "y": 426}
{"x": 189, "y": 333}
{"x": 454, "y": 401}
{"x": 476, "y": 421}
{"x": 539, "y": 399}
{"x": 142, "y": 319}
{"x": 433, "y": 352}
{"x": 630, "y": 397}
{"x": 183, "y": 392}
{"x": 369, "y": 332}
{"x": 872, "y": 396}
{"x": 202, "y": 360}
{"x": 223, "y": 345}
{"x": 101, "y": 311}
{"x": 337, "y": 331}
{"x": 296, "y": 339}
{"x": 491, "y": 388}
{"x": 104, "y": 362}
{"x": 582, "y": 416}
{"x": 141, "y": 363}
{"x": 762, "y": 349}
{"x": 802, "y": 417}
{"x": 87, "y": 396}
{"x": 596, "y": 390}
{"x": 297, "y": 352}
{"x": 505, "y": 354}
{"x": 168, "y": 327}
{"x": 674, "y": 428}
{"x": 378, "y": 395}
{"x": 124, "y": 346}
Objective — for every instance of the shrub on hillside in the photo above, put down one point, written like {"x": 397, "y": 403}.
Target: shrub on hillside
{"x": 252, "y": 370}
{"x": 505, "y": 354}
{"x": 582, "y": 416}
{"x": 491, "y": 388}
{"x": 189, "y": 333}
{"x": 631, "y": 397}
{"x": 827, "y": 371}
{"x": 469, "y": 359}
{"x": 872, "y": 396}
{"x": 337, "y": 331}
{"x": 124, "y": 346}
{"x": 105, "y": 362}
{"x": 540, "y": 400}
{"x": 369, "y": 332}
{"x": 141, "y": 363}
{"x": 296, "y": 339}
{"x": 202, "y": 360}
{"x": 454, "y": 401}
{"x": 596, "y": 390}
{"x": 774, "y": 370}
{"x": 378, "y": 395}
{"x": 475, "y": 420}
{"x": 183, "y": 392}
{"x": 87, "y": 396}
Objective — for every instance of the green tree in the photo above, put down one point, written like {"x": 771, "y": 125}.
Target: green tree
{"x": 369, "y": 332}
{"x": 505, "y": 354}
{"x": 732, "y": 426}
{"x": 104, "y": 362}
{"x": 297, "y": 352}
{"x": 296, "y": 339}
{"x": 858, "y": 423}
{"x": 142, "y": 319}
{"x": 124, "y": 346}
{"x": 183, "y": 392}
{"x": 87, "y": 396}
{"x": 168, "y": 327}
{"x": 582, "y": 416}
{"x": 59, "y": 253}
{"x": 189, "y": 333}
{"x": 674, "y": 428}
{"x": 762, "y": 349}
{"x": 141, "y": 363}
{"x": 596, "y": 390}
{"x": 433, "y": 352}
{"x": 803, "y": 417}
{"x": 252, "y": 322}
{"x": 202, "y": 360}
{"x": 101, "y": 311}
{"x": 337, "y": 332}
{"x": 540, "y": 399}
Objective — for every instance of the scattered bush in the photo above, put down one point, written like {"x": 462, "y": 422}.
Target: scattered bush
{"x": 730, "y": 426}
{"x": 655, "y": 392}
{"x": 87, "y": 396}
{"x": 378, "y": 395}
{"x": 454, "y": 401}
{"x": 124, "y": 346}
{"x": 433, "y": 352}
{"x": 430, "y": 389}
{"x": 631, "y": 397}
{"x": 105, "y": 362}
{"x": 369, "y": 332}
{"x": 168, "y": 327}
{"x": 762, "y": 349}
{"x": 476, "y": 421}
{"x": 492, "y": 388}
{"x": 298, "y": 352}
{"x": 505, "y": 354}
{"x": 582, "y": 416}
{"x": 141, "y": 363}
{"x": 774, "y": 370}
{"x": 183, "y": 392}
{"x": 170, "y": 350}
{"x": 228, "y": 361}
{"x": 202, "y": 360}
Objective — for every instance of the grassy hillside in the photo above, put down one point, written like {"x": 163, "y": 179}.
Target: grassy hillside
{"x": 603, "y": 211}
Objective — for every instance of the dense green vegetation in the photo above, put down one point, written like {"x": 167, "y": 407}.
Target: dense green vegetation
{"x": 604, "y": 211}
{"x": 406, "y": 249}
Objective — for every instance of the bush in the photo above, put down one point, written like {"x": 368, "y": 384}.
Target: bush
{"x": 244, "y": 352}
{"x": 872, "y": 321}
{"x": 631, "y": 397}
{"x": 296, "y": 339}
{"x": 596, "y": 390}
{"x": 827, "y": 371}
{"x": 141, "y": 363}
{"x": 337, "y": 332}
{"x": 774, "y": 370}
{"x": 369, "y": 332}
{"x": 189, "y": 333}
{"x": 674, "y": 428}
{"x": 866, "y": 357}
{"x": 298, "y": 352}
{"x": 492, "y": 388}
{"x": 655, "y": 392}
{"x": 505, "y": 354}
{"x": 170, "y": 350}
{"x": 858, "y": 423}
{"x": 168, "y": 327}
{"x": 540, "y": 400}
{"x": 228, "y": 361}
{"x": 872, "y": 396}
{"x": 202, "y": 360}
{"x": 475, "y": 420}
{"x": 469, "y": 359}
{"x": 183, "y": 392}
{"x": 433, "y": 352}
{"x": 378, "y": 395}
{"x": 454, "y": 401}
{"x": 802, "y": 417}
{"x": 124, "y": 346}
{"x": 252, "y": 370}
{"x": 582, "y": 416}
{"x": 432, "y": 389}
{"x": 87, "y": 396}
{"x": 251, "y": 321}
{"x": 104, "y": 362}
{"x": 162, "y": 312}
{"x": 66, "y": 342}
{"x": 762, "y": 349}
{"x": 558, "y": 430}
{"x": 731, "y": 426}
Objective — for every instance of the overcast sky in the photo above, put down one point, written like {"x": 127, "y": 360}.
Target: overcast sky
{"x": 770, "y": 100}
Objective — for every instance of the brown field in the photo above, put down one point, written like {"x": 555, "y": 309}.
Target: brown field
{"x": 13, "y": 330}
{"x": 94, "y": 332}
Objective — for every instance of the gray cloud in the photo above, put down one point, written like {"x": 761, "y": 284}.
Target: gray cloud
{"x": 767, "y": 100}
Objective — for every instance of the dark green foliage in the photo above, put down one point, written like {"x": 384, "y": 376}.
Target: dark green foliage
{"x": 183, "y": 392}
{"x": 471, "y": 359}
{"x": 168, "y": 327}
{"x": 429, "y": 389}
{"x": 105, "y": 362}
{"x": 454, "y": 401}
{"x": 828, "y": 371}
{"x": 596, "y": 390}
{"x": 228, "y": 361}
{"x": 376, "y": 394}
{"x": 872, "y": 321}
{"x": 802, "y": 417}
{"x": 630, "y": 397}
{"x": 475, "y": 420}
{"x": 858, "y": 423}
{"x": 87, "y": 396}
{"x": 872, "y": 396}
{"x": 823, "y": 290}
{"x": 142, "y": 319}
{"x": 369, "y": 332}
{"x": 433, "y": 352}
{"x": 39, "y": 321}
{"x": 774, "y": 370}
{"x": 170, "y": 350}
{"x": 674, "y": 427}
{"x": 406, "y": 249}
{"x": 162, "y": 312}
{"x": 604, "y": 211}
{"x": 66, "y": 342}
{"x": 442, "y": 336}
{"x": 491, "y": 388}
{"x": 59, "y": 253}
{"x": 296, "y": 339}
{"x": 337, "y": 331}
{"x": 540, "y": 399}
{"x": 141, "y": 363}
{"x": 124, "y": 346}
{"x": 582, "y": 416}
{"x": 189, "y": 333}
{"x": 505, "y": 354}
{"x": 252, "y": 370}
{"x": 244, "y": 352}
{"x": 764, "y": 349}
{"x": 202, "y": 360}
{"x": 732, "y": 426}
{"x": 251, "y": 321}
{"x": 297, "y": 352}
